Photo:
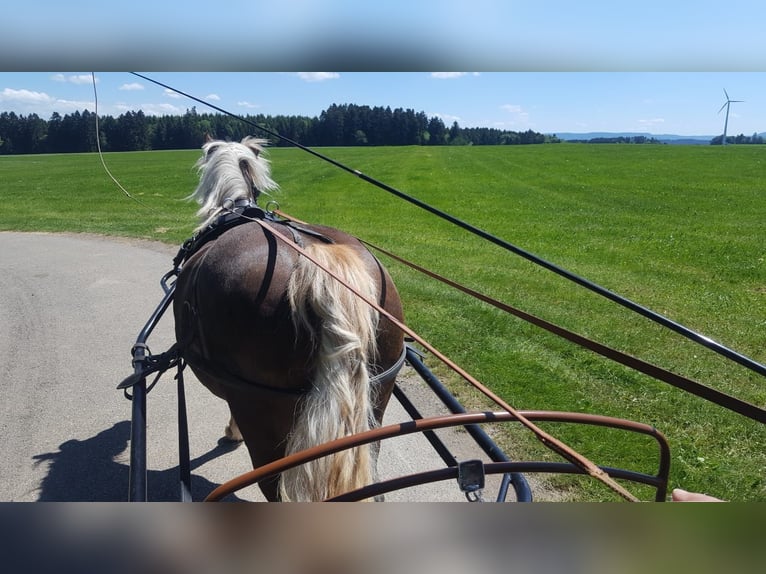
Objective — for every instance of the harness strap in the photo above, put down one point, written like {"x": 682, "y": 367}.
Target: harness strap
{"x": 220, "y": 371}
{"x": 305, "y": 230}
{"x": 239, "y": 212}
{"x": 390, "y": 371}
{"x": 153, "y": 364}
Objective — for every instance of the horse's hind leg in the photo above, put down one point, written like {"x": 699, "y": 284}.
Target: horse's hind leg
{"x": 215, "y": 386}
{"x": 264, "y": 421}
{"x": 232, "y": 432}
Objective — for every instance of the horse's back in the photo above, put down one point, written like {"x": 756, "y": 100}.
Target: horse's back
{"x": 232, "y": 305}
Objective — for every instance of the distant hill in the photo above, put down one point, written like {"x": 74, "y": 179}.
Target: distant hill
{"x": 665, "y": 138}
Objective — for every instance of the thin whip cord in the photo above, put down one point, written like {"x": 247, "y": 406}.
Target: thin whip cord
{"x": 682, "y": 330}
{"x": 98, "y": 147}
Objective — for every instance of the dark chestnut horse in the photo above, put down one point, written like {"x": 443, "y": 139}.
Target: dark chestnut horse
{"x": 300, "y": 359}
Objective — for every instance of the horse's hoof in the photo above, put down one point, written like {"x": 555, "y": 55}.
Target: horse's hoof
{"x": 232, "y": 432}
{"x": 232, "y": 435}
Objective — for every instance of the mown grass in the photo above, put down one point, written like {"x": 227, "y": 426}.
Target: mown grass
{"x": 675, "y": 229}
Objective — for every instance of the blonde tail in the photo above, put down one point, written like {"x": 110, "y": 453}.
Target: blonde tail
{"x": 339, "y": 403}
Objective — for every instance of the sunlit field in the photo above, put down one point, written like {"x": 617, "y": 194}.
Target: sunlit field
{"x": 676, "y": 229}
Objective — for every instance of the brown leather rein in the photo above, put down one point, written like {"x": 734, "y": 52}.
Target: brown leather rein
{"x": 727, "y": 401}
{"x": 547, "y": 439}
{"x": 722, "y": 399}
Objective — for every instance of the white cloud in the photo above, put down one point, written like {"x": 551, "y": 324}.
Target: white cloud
{"x": 25, "y": 96}
{"x": 516, "y": 110}
{"x": 448, "y": 119}
{"x": 652, "y": 122}
{"x": 74, "y": 105}
{"x": 76, "y": 79}
{"x": 82, "y": 79}
{"x": 519, "y": 117}
{"x": 171, "y": 94}
{"x": 28, "y": 101}
{"x": 164, "y": 109}
{"x": 248, "y": 105}
{"x": 132, "y": 87}
{"x": 451, "y": 75}
{"x": 214, "y": 97}
{"x": 318, "y": 76}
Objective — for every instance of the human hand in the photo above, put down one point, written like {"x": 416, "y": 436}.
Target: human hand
{"x": 679, "y": 495}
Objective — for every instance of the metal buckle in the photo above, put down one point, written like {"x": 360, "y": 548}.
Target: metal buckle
{"x": 470, "y": 478}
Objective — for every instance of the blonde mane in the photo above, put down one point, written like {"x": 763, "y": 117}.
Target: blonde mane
{"x": 230, "y": 171}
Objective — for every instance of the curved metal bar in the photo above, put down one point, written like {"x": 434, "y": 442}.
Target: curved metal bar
{"x": 506, "y": 468}
{"x": 520, "y": 484}
{"x": 663, "y": 471}
{"x": 461, "y": 419}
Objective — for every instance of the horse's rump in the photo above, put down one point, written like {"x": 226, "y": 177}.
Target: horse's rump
{"x": 250, "y": 306}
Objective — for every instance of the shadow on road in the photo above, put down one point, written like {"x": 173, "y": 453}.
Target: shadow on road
{"x": 85, "y": 471}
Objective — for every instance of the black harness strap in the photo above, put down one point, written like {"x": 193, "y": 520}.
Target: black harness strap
{"x": 153, "y": 364}
{"x": 237, "y": 216}
{"x": 220, "y": 371}
{"x": 184, "y": 453}
{"x": 243, "y": 211}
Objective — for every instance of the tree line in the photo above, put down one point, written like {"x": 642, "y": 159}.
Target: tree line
{"x": 740, "y": 139}
{"x": 338, "y": 125}
{"x": 619, "y": 140}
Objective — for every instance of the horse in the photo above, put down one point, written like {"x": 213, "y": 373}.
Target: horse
{"x": 300, "y": 358}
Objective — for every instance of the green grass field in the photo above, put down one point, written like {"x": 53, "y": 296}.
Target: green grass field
{"x": 675, "y": 229}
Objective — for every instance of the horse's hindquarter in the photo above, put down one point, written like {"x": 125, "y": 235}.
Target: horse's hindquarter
{"x": 231, "y": 305}
{"x": 231, "y": 309}
{"x": 390, "y": 337}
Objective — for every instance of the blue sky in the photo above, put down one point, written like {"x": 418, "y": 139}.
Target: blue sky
{"x": 546, "y": 65}
{"x": 511, "y": 35}
{"x": 684, "y": 103}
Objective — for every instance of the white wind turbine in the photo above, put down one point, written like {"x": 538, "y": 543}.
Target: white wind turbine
{"x": 726, "y": 105}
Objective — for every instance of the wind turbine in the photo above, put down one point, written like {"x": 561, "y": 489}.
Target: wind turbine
{"x": 726, "y": 105}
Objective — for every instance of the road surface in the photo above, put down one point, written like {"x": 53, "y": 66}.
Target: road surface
{"x": 71, "y": 307}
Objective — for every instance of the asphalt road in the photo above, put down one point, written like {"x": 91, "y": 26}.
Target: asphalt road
{"x": 71, "y": 307}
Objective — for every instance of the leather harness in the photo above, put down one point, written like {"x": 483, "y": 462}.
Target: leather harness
{"x": 244, "y": 211}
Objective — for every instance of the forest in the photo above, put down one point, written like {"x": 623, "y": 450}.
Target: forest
{"x": 338, "y": 125}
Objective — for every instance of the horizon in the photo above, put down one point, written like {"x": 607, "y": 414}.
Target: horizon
{"x": 682, "y": 104}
